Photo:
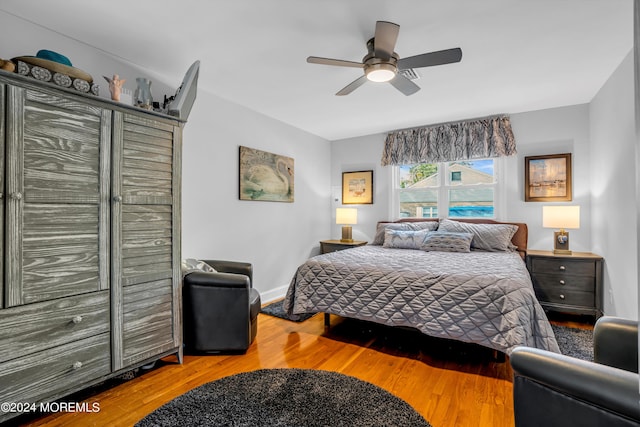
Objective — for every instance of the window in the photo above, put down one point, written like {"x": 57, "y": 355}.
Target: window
{"x": 468, "y": 192}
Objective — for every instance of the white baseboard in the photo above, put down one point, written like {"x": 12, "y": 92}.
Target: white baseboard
{"x": 273, "y": 294}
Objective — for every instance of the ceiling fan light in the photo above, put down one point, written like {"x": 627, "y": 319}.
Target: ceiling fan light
{"x": 380, "y": 72}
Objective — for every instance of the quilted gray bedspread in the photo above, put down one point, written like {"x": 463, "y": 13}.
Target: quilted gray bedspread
{"x": 480, "y": 297}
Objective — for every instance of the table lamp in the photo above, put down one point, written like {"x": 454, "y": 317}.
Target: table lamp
{"x": 346, "y": 217}
{"x": 561, "y": 217}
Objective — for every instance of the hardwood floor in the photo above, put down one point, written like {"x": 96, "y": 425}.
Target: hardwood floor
{"x": 449, "y": 383}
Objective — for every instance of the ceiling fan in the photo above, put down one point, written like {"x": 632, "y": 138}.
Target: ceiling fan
{"x": 382, "y": 64}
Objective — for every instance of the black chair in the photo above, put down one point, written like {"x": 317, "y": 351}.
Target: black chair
{"x": 220, "y": 309}
{"x": 550, "y": 389}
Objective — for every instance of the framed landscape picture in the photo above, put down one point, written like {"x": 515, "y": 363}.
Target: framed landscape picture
{"x": 265, "y": 176}
{"x": 547, "y": 178}
{"x": 357, "y": 188}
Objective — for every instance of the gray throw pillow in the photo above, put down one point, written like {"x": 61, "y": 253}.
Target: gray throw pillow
{"x": 409, "y": 226}
{"x": 404, "y": 239}
{"x": 445, "y": 241}
{"x": 486, "y": 237}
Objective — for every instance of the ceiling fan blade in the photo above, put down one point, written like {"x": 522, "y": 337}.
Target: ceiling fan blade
{"x": 385, "y": 39}
{"x": 336, "y": 62}
{"x": 352, "y": 86}
{"x": 404, "y": 85}
{"x": 440, "y": 57}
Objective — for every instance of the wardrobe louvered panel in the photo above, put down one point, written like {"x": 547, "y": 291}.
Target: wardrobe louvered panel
{"x": 146, "y": 243}
{"x": 148, "y": 320}
{"x": 147, "y": 161}
{"x": 57, "y": 182}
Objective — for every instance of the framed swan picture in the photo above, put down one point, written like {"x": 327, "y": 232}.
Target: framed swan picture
{"x": 265, "y": 176}
{"x": 357, "y": 188}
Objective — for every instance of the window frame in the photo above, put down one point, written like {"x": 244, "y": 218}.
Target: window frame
{"x": 444, "y": 185}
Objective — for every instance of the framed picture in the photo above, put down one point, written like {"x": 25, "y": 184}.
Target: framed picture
{"x": 265, "y": 176}
{"x": 547, "y": 178}
{"x": 357, "y": 188}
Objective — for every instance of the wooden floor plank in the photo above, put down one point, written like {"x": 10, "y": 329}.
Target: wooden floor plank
{"x": 450, "y": 384}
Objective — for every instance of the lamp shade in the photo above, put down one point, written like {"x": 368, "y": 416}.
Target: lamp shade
{"x": 346, "y": 216}
{"x": 561, "y": 217}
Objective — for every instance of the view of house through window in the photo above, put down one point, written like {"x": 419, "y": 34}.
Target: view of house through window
{"x": 461, "y": 189}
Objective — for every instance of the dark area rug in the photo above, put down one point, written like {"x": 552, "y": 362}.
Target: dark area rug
{"x": 286, "y": 397}
{"x": 275, "y": 309}
{"x": 574, "y": 342}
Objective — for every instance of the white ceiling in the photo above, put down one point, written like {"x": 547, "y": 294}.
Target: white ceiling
{"x": 517, "y": 55}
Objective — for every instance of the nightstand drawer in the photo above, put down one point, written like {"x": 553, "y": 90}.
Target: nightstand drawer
{"x": 562, "y": 281}
{"x": 563, "y": 266}
{"x": 565, "y": 296}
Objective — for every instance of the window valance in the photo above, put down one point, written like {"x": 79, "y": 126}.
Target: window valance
{"x": 473, "y": 139}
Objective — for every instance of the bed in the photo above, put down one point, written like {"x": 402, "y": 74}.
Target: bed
{"x": 478, "y": 296}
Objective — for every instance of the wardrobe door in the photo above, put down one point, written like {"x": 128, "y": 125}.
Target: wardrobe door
{"x": 2, "y": 139}
{"x": 146, "y": 238}
{"x": 57, "y": 170}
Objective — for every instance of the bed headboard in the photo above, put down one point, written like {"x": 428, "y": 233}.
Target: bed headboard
{"x": 519, "y": 239}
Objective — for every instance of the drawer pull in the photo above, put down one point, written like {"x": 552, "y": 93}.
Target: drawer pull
{"x": 561, "y": 296}
{"x": 562, "y": 282}
{"x": 77, "y": 319}
{"x": 77, "y": 365}
{"x": 117, "y": 199}
{"x": 562, "y": 267}
{"x": 16, "y": 196}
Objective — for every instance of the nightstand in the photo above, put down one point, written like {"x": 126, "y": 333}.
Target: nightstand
{"x": 567, "y": 283}
{"x": 327, "y": 246}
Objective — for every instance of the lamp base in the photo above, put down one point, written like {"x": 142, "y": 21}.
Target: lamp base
{"x": 346, "y": 234}
{"x": 561, "y": 243}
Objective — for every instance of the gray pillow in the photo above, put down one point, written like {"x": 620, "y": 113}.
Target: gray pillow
{"x": 445, "y": 241}
{"x": 190, "y": 265}
{"x": 486, "y": 237}
{"x": 411, "y": 226}
{"x": 404, "y": 239}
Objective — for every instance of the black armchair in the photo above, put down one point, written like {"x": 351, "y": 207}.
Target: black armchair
{"x": 550, "y": 389}
{"x": 220, "y": 309}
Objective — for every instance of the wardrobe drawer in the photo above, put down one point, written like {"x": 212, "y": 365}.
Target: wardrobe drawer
{"x": 31, "y": 328}
{"x": 55, "y": 371}
{"x": 563, "y": 266}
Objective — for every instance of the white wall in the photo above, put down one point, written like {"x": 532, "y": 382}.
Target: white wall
{"x": 613, "y": 187}
{"x": 276, "y": 237}
{"x": 551, "y": 131}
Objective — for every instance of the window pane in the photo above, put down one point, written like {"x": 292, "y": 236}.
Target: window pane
{"x": 419, "y": 176}
{"x": 469, "y": 172}
{"x": 471, "y": 202}
{"x": 419, "y": 202}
